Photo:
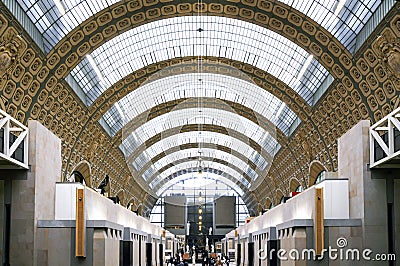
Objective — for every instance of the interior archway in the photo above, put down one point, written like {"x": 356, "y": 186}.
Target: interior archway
{"x": 85, "y": 172}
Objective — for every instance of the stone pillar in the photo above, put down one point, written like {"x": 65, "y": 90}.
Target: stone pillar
{"x": 136, "y": 251}
{"x": 282, "y": 238}
{"x": 142, "y": 256}
{"x": 33, "y": 199}
{"x": 264, "y": 246}
{"x": 6, "y": 224}
{"x": 367, "y": 196}
{"x": 1, "y": 214}
{"x": 293, "y": 239}
{"x": 299, "y": 241}
{"x": 99, "y": 246}
{"x": 106, "y": 246}
{"x": 397, "y": 215}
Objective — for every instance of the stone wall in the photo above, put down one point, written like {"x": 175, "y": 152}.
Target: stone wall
{"x": 33, "y": 199}
{"x": 1, "y": 215}
{"x": 366, "y": 224}
{"x": 367, "y": 196}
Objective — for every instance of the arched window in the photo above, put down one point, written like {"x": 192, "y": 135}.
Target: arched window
{"x": 316, "y": 172}
{"x": 76, "y": 176}
{"x": 320, "y": 177}
{"x": 299, "y": 188}
{"x": 81, "y": 173}
{"x": 210, "y": 187}
{"x": 282, "y": 200}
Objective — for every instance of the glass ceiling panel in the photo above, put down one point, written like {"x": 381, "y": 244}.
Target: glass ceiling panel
{"x": 196, "y": 183}
{"x": 344, "y": 23}
{"x": 50, "y": 21}
{"x": 180, "y": 37}
{"x": 195, "y": 154}
{"x": 203, "y": 116}
{"x": 344, "y": 19}
{"x": 194, "y": 137}
{"x": 188, "y": 86}
{"x": 163, "y": 177}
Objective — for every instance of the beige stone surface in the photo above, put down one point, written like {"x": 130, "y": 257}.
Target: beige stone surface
{"x": 293, "y": 239}
{"x": 105, "y": 247}
{"x": 367, "y": 195}
{"x": 1, "y": 215}
{"x": 33, "y": 198}
{"x": 397, "y": 214}
{"x": 53, "y": 246}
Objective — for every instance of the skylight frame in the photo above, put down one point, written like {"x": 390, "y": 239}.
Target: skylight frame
{"x": 54, "y": 26}
{"x": 193, "y": 153}
{"x": 207, "y": 137}
{"x": 179, "y": 37}
{"x": 184, "y": 86}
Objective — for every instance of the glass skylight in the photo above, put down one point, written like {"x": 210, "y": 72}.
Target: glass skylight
{"x": 54, "y": 22}
{"x": 344, "y": 19}
{"x": 213, "y": 86}
{"x": 139, "y": 160}
{"x": 198, "y": 182}
{"x": 180, "y": 37}
{"x": 193, "y": 166}
{"x": 344, "y": 24}
{"x": 196, "y": 154}
{"x": 195, "y": 146}
{"x": 203, "y": 116}
{"x": 196, "y": 36}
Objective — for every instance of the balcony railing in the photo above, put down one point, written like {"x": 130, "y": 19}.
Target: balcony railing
{"x": 13, "y": 143}
{"x": 385, "y": 141}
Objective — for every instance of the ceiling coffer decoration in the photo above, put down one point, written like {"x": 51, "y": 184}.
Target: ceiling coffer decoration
{"x": 9, "y": 52}
{"x": 327, "y": 33}
{"x": 389, "y": 47}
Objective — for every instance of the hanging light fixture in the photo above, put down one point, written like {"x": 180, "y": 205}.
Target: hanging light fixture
{"x": 200, "y": 167}
{"x": 200, "y": 79}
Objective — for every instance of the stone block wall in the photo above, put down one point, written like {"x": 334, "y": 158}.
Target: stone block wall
{"x": 106, "y": 247}
{"x": 1, "y": 215}
{"x": 367, "y": 196}
{"x": 33, "y": 199}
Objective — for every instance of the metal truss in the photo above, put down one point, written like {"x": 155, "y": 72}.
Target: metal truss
{"x": 14, "y": 149}
{"x": 385, "y": 141}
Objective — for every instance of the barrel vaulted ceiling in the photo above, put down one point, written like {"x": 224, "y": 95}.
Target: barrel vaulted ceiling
{"x": 153, "y": 91}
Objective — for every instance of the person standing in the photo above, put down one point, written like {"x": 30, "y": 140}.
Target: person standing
{"x": 204, "y": 259}
{"x": 176, "y": 260}
{"x": 194, "y": 259}
{"x": 227, "y": 260}
{"x": 223, "y": 260}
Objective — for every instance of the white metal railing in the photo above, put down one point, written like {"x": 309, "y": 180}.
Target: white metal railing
{"x": 13, "y": 126}
{"x": 384, "y": 127}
